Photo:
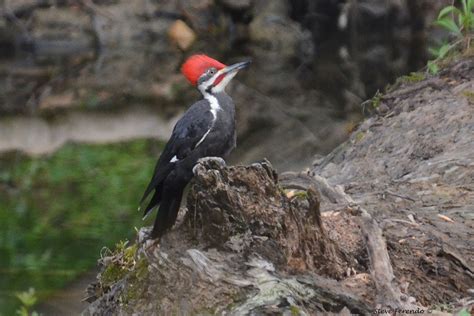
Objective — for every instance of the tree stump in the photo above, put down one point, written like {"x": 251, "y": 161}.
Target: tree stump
{"x": 247, "y": 245}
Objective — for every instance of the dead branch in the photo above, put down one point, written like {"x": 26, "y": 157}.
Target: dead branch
{"x": 388, "y": 293}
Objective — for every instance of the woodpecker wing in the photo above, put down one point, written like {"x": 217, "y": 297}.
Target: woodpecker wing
{"x": 188, "y": 132}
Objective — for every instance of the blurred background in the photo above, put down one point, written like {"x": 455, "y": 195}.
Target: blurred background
{"x": 90, "y": 90}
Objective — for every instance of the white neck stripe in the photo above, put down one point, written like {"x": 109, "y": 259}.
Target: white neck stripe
{"x": 213, "y": 103}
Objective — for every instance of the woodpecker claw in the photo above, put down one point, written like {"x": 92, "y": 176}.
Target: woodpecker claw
{"x": 209, "y": 161}
{"x": 144, "y": 234}
{"x": 217, "y": 160}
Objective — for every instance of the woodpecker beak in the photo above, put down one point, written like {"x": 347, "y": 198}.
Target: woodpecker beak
{"x": 225, "y": 75}
{"x": 236, "y": 67}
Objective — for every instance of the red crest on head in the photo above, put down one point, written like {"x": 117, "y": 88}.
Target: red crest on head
{"x": 196, "y": 65}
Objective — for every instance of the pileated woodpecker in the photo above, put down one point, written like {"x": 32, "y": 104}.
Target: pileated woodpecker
{"x": 207, "y": 129}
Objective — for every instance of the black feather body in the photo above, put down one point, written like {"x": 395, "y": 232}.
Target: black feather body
{"x": 207, "y": 129}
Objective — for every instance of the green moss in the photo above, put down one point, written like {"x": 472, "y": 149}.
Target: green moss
{"x": 112, "y": 274}
{"x": 129, "y": 253}
{"x": 281, "y": 189}
{"x": 294, "y": 310}
{"x": 359, "y": 136}
{"x": 301, "y": 195}
{"x": 57, "y": 212}
{"x": 136, "y": 281}
{"x": 124, "y": 263}
{"x": 206, "y": 311}
{"x": 296, "y": 193}
{"x": 413, "y": 77}
{"x": 469, "y": 95}
{"x": 375, "y": 101}
{"x": 141, "y": 271}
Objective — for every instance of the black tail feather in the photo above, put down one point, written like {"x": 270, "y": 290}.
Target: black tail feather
{"x": 167, "y": 213}
{"x": 156, "y": 181}
{"x": 155, "y": 200}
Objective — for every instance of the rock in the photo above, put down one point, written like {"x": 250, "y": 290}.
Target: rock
{"x": 272, "y": 30}
{"x": 62, "y": 100}
{"x": 181, "y": 35}
{"x": 61, "y": 31}
{"x": 200, "y": 14}
{"x": 62, "y": 20}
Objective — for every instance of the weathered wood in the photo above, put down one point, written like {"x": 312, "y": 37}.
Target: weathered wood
{"x": 243, "y": 247}
{"x": 225, "y": 202}
{"x": 303, "y": 181}
{"x": 388, "y": 293}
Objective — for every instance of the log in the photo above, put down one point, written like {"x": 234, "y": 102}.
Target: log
{"x": 243, "y": 247}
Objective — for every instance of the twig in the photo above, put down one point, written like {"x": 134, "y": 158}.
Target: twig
{"x": 434, "y": 83}
{"x": 452, "y": 252}
{"x": 401, "y": 221}
{"x": 400, "y": 196}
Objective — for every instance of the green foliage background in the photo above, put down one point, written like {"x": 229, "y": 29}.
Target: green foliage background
{"x": 57, "y": 212}
{"x": 460, "y": 23}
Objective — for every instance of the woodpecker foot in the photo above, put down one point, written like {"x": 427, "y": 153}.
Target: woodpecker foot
{"x": 210, "y": 161}
{"x": 144, "y": 234}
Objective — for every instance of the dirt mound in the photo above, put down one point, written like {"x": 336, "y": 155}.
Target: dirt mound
{"x": 412, "y": 168}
